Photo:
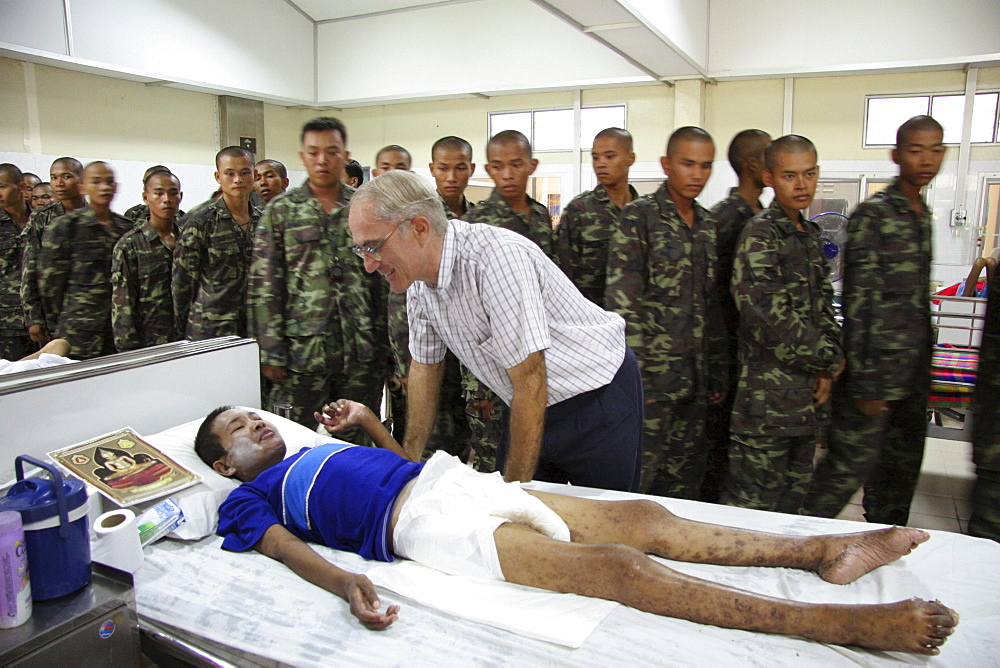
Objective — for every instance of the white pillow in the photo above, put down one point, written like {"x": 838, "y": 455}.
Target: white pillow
{"x": 201, "y": 501}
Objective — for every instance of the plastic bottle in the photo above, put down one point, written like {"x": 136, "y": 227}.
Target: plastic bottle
{"x": 15, "y": 589}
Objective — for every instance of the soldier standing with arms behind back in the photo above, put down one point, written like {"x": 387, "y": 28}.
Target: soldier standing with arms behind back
{"x": 14, "y": 340}
{"x": 213, "y": 254}
{"x": 880, "y": 405}
{"x": 74, "y": 267}
{"x": 318, "y": 316}
{"x": 589, "y": 220}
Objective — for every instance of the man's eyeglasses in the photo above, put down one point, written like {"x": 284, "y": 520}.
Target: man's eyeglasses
{"x": 373, "y": 251}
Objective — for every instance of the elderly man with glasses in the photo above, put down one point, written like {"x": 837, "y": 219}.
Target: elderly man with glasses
{"x": 318, "y": 316}
{"x": 492, "y": 297}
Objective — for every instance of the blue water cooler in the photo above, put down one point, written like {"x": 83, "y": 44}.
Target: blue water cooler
{"x": 54, "y": 514}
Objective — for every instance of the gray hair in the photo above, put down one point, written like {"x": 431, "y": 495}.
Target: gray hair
{"x": 399, "y": 196}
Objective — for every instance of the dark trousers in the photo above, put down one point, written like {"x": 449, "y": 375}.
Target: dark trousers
{"x": 985, "y": 520}
{"x": 593, "y": 439}
{"x": 882, "y": 454}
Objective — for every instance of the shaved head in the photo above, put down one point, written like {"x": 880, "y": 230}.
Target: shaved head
{"x": 916, "y": 124}
{"x": 509, "y": 137}
{"x": 786, "y": 144}
{"x": 687, "y": 133}
{"x": 745, "y": 145}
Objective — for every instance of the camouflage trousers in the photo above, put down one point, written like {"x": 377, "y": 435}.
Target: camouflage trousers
{"x": 307, "y": 393}
{"x": 769, "y": 473}
{"x": 985, "y": 520}
{"x": 882, "y": 454}
{"x": 15, "y": 346}
{"x": 675, "y": 454}
{"x": 717, "y": 441}
{"x": 484, "y": 432}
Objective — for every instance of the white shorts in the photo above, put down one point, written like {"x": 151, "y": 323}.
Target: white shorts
{"x": 448, "y": 521}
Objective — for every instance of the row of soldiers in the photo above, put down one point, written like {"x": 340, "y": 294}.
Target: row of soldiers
{"x": 729, "y": 312}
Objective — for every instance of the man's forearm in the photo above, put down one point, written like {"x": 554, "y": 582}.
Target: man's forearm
{"x": 527, "y": 417}
{"x": 423, "y": 388}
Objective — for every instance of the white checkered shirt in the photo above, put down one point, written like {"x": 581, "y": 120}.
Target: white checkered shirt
{"x": 498, "y": 299}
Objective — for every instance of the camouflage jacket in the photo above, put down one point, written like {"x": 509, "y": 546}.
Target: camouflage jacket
{"x": 74, "y": 265}
{"x": 448, "y": 212}
{"x": 140, "y": 212}
{"x": 495, "y": 211}
{"x": 787, "y": 332}
{"x": 661, "y": 279}
{"x": 211, "y": 260}
{"x": 887, "y": 327}
{"x": 307, "y": 292}
{"x": 11, "y": 252}
{"x": 142, "y": 310}
{"x": 730, "y": 215}
{"x": 31, "y": 235}
{"x": 986, "y": 400}
{"x": 582, "y": 240}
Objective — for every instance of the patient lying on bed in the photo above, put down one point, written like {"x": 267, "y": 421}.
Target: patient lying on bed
{"x": 443, "y": 514}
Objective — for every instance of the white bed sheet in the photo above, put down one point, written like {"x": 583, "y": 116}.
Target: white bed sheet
{"x": 255, "y": 605}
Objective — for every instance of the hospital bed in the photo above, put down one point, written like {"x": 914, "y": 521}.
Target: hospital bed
{"x": 958, "y": 323}
{"x": 210, "y": 607}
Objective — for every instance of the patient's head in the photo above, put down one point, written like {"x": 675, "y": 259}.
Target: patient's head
{"x": 238, "y": 443}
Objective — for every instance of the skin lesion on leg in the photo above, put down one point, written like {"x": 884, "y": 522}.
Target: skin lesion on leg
{"x": 624, "y": 574}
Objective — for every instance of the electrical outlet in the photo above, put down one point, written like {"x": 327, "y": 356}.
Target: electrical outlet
{"x": 958, "y": 218}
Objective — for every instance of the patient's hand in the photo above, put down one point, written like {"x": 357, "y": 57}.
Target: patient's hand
{"x": 341, "y": 415}
{"x": 360, "y": 593}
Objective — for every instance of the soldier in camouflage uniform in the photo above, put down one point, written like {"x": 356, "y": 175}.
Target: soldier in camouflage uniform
{"x": 213, "y": 254}
{"x": 661, "y": 280}
{"x": 789, "y": 339}
{"x": 985, "y": 520}
{"x": 140, "y": 212}
{"x": 318, "y": 316}
{"x": 142, "y": 312}
{"x": 41, "y": 195}
{"x": 510, "y": 164}
{"x": 74, "y": 267}
{"x": 14, "y": 340}
{"x": 65, "y": 174}
{"x": 880, "y": 406}
{"x": 746, "y": 156}
{"x": 588, "y": 221}
{"x": 271, "y": 180}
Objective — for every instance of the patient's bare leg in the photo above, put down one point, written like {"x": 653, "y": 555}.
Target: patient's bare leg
{"x": 624, "y": 574}
{"x": 651, "y": 528}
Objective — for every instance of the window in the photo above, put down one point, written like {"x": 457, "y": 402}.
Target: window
{"x": 883, "y": 115}
{"x": 552, "y": 129}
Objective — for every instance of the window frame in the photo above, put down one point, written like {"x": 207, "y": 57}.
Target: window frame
{"x": 584, "y": 146}
{"x": 930, "y": 103}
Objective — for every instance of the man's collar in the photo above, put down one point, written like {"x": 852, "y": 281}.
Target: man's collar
{"x": 446, "y": 269}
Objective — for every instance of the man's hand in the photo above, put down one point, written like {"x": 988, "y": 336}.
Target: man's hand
{"x": 360, "y": 593}
{"x": 275, "y": 374}
{"x": 822, "y": 385}
{"x": 484, "y": 409}
{"x": 38, "y": 334}
{"x": 873, "y": 408}
{"x": 716, "y": 397}
{"x": 341, "y": 415}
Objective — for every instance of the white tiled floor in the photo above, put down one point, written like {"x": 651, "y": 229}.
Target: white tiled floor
{"x": 944, "y": 490}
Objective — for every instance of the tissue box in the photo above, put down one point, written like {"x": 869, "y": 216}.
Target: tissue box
{"x": 158, "y": 521}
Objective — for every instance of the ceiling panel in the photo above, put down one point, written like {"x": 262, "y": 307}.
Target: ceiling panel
{"x": 325, "y": 10}
{"x": 645, "y": 47}
{"x": 593, "y": 12}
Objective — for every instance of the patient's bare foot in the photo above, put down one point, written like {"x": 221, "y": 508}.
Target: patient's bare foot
{"x": 850, "y": 556}
{"x": 914, "y": 625}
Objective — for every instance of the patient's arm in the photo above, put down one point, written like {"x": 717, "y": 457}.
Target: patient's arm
{"x": 355, "y": 588}
{"x": 342, "y": 414}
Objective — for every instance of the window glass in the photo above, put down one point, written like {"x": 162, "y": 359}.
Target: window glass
{"x": 886, "y": 114}
{"x": 553, "y": 130}
{"x": 595, "y": 119}
{"x": 518, "y": 120}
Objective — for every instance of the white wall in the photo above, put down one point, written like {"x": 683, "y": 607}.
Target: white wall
{"x": 450, "y": 49}
{"x": 260, "y": 47}
{"x": 790, "y": 35}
